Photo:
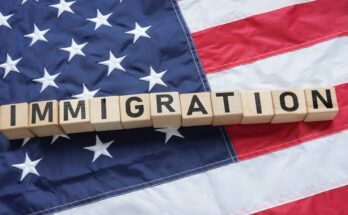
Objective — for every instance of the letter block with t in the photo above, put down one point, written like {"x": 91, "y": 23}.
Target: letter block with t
{"x": 289, "y": 106}
{"x": 135, "y": 111}
{"x": 227, "y": 108}
{"x": 257, "y": 107}
{"x": 74, "y": 116}
{"x": 44, "y": 118}
{"x": 321, "y": 104}
{"x": 14, "y": 121}
{"x": 196, "y": 109}
{"x": 105, "y": 114}
{"x": 165, "y": 110}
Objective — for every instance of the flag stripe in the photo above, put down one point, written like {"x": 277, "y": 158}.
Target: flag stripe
{"x": 329, "y": 202}
{"x": 266, "y": 138}
{"x": 242, "y": 188}
{"x": 203, "y": 14}
{"x": 324, "y": 64}
{"x": 272, "y": 33}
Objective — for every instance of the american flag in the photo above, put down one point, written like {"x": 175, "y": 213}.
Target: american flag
{"x": 64, "y": 49}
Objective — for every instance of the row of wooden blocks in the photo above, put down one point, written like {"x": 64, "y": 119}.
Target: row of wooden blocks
{"x": 47, "y": 118}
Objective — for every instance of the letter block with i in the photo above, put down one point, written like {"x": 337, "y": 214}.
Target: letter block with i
{"x": 105, "y": 114}
{"x": 74, "y": 116}
{"x": 227, "y": 108}
{"x": 14, "y": 122}
{"x": 289, "y": 106}
{"x": 257, "y": 107}
{"x": 321, "y": 104}
{"x": 44, "y": 118}
{"x": 165, "y": 110}
{"x": 196, "y": 109}
{"x": 135, "y": 111}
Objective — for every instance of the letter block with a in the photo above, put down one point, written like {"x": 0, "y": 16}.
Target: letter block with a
{"x": 105, "y": 113}
{"x": 289, "y": 106}
{"x": 196, "y": 109}
{"x": 321, "y": 104}
{"x": 165, "y": 110}
{"x": 135, "y": 111}
{"x": 14, "y": 121}
{"x": 74, "y": 116}
{"x": 257, "y": 107}
{"x": 44, "y": 118}
{"x": 227, "y": 108}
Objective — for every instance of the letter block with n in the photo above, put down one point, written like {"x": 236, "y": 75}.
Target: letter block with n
{"x": 44, "y": 118}
{"x": 14, "y": 121}
{"x": 74, "y": 116}
{"x": 321, "y": 104}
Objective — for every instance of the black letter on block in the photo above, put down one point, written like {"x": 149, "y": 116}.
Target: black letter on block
{"x": 13, "y": 115}
{"x": 103, "y": 108}
{"x": 327, "y": 102}
{"x": 35, "y": 110}
{"x": 160, "y": 102}
{"x": 139, "y": 108}
{"x": 258, "y": 103}
{"x": 225, "y": 98}
{"x": 81, "y": 106}
{"x": 195, "y": 100}
{"x": 283, "y": 103}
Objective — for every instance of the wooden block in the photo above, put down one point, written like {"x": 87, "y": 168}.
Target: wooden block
{"x": 227, "y": 108}
{"x": 105, "y": 113}
{"x": 14, "y": 121}
{"x": 165, "y": 110}
{"x": 74, "y": 116}
{"x": 257, "y": 107}
{"x": 196, "y": 109}
{"x": 44, "y": 118}
{"x": 135, "y": 111}
{"x": 289, "y": 106}
{"x": 321, "y": 104}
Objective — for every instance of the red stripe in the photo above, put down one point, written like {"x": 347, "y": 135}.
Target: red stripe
{"x": 333, "y": 202}
{"x": 271, "y": 33}
{"x": 253, "y": 140}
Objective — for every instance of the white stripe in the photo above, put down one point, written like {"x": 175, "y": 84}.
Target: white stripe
{"x": 202, "y": 14}
{"x": 323, "y": 64}
{"x": 242, "y": 188}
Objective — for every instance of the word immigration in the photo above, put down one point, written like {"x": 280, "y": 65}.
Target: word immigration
{"x": 47, "y": 118}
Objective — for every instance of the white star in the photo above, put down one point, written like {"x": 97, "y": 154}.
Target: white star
{"x": 25, "y": 141}
{"x": 23, "y": 1}
{"x": 154, "y": 78}
{"x": 37, "y": 35}
{"x": 63, "y": 6}
{"x": 86, "y": 94}
{"x": 28, "y": 166}
{"x": 74, "y": 49}
{"x": 3, "y": 20}
{"x": 100, "y": 20}
{"x": 10, "y": 65}
{"x": 139, "y": 31}
{"x": 170, "y": 132}
{"x": 47, "y": 80}
{"x": 113, "y": 63}
{"x": 55, "y": 137}
{"x": 99, "y": 148}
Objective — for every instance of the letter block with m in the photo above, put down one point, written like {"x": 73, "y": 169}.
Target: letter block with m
{"x": 44, "y": 118}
